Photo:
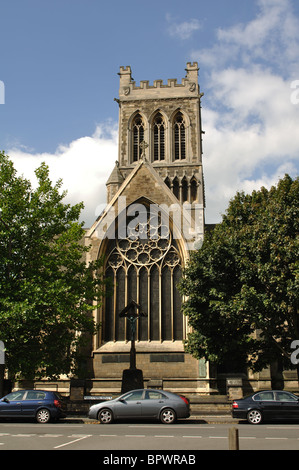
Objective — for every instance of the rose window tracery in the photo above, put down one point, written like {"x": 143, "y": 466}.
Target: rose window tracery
{"x": 147, "y": 243}
{"x": 145, "y": 266}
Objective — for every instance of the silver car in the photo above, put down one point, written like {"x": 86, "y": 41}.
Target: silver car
{"x": 143, "y": 403}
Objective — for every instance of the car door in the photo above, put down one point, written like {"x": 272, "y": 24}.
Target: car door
{"x": 129, "y": 405}
{"x": 11, "y": 404}
{"x": 32, "y": 400}
{"x": 267, "y": 404}
{"x": 153, "y": 401}
{"x": 289, "y": 405}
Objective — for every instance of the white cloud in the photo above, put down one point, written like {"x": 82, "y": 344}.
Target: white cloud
{"x": 84, "y": 166}
{"x": 182, "y": 30}
{"x": 272, "y": 37}
{"x": 250, "y": 122}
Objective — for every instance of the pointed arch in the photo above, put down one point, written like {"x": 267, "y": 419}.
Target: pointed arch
{"x": 180, "y": 134}
{"x": 194, "y": 189}
{"x": 184, "y": 184}
{"x": 158, "y": 136}
{"x": 145, "y": 270}
{"x": 179, "y": 127}
{"x": 137, "y": 126}
{"x": 176, "y": 187}
{"x": 167, "y": 181}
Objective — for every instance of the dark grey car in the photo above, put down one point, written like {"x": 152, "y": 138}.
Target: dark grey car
{"x": 267, "y": 405}
{"x": 142, "y": 404}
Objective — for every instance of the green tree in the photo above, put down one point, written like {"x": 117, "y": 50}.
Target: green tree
{"x": 242, "y": 286}
{"x": 47, "y": 292}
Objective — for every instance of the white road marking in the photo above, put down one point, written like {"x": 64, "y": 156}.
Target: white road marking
{"x": 72, "y": 442}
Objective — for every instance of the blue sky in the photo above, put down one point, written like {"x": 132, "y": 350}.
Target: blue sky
{"x": 59, "y": 62}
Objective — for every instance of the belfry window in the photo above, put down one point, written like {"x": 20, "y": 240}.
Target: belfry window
{"x": 159, "y": 137}
{"x": 179, "y": 137}
{"x": 138, "y": 137}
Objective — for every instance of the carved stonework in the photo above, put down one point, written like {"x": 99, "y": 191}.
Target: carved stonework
{"x": 160, "y": 165}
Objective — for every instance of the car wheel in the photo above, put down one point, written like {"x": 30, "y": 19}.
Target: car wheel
{"x": 254, "y": 417}
{"x": 167, "y": 416}
{"x": 105, "y": 416}
{"x": 43, "y": 416}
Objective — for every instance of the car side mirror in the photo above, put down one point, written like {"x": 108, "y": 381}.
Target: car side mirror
{"x": 6, "y": 400}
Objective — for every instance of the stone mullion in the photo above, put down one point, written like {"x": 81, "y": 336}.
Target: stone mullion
{"x": 180, "y": 141}
{"x": 114, "y": 304}
{"x": 137, "y": 300}
{"x": 149, "y": 305}
{"x": 126, "y": 298}
{"x": 181, "y": 192}
{"x": 171, "y": 302}
{"x": 189, "y": 191}
{"x": 160, "y": 303}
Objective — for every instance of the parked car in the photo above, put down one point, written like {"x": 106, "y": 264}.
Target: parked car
{"x": 267, "y": 405}
{"x": 39, "y": 404}
{"x": 142, "y": 404}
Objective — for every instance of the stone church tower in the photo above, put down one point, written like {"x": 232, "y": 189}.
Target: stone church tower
{"x": 154, "y": 217}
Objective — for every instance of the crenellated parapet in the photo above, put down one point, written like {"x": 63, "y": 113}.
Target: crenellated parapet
{"x": 128, "y": 90}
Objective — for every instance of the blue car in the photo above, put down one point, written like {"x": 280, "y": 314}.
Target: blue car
{"x": 39, "y": 404}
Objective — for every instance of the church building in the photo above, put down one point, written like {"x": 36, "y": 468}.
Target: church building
{"x": 154, "y": 217}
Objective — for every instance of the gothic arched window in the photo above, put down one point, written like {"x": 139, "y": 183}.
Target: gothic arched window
{"x": 138, "y": 136}
{"x": 159, "y": 137}
{"x": 179, "y": 137}
{"x": 145, "y": 267}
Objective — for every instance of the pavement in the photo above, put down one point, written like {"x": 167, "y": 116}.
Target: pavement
{"x": 203, "y": 410}
{"x": 206, "y": 419}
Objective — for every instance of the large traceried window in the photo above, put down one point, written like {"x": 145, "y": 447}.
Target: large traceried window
{"x": 138, "y": 136}
{"x": 179, "y": 137}
{"x": 145, "y": 268}
{"x": 159, "y": 137}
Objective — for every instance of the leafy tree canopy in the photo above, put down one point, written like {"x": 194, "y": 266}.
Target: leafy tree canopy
{"x": 242, "y": 286}
{"x": 47, "y": 292}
